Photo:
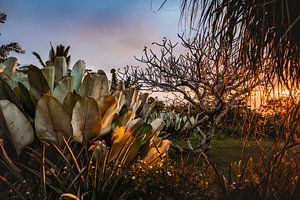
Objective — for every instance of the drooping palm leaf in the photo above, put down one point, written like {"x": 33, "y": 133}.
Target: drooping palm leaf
{"x": 5, "y": 49}
{"x": 2, "y": 17}
{"x": 267, "y": 31}
{"x": 39, "y": 58}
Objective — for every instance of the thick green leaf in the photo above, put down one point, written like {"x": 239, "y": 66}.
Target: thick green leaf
{"x": 2, "y": 67}
{"x": 6, "y": 93}
{"x": 52, "y": 121}
{"x": 140, "y": 131}
{"x": 70, "y": 101}
{"x": 49, "y": 74}
{"x": 10, "y": 65}
{"x": 143, "y": 98}
{"x": 61, "y": 68}
{"x": 156, "y": 153}
{"x": 37, "y": 81}
{"x": 86, "y": 119}
{"x": 121, "y": 101}
{"x": 122, "y": 138}
{"x": 18, "y": 77}
{"x": 131, "y": 97}
{"x": 135, "y": 124}
{"x": 151, "y": 134}
{"x": 78, "y": 73}
{"x": 125, "y": 116}
{"x": 107, "y": 106}
{"x": 63, "y": 87}
{"x": 146, "y": 109}
{"x": 94, "y": 85}
{"x": 158, "y": 124}
{"x": 17, "y": 125}
{"x": 132, "y": 101}
{"x": 25, "y": 99}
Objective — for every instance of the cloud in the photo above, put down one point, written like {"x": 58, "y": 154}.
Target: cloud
{"x": 107, "y": 34}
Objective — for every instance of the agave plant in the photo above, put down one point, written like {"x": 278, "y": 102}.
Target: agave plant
{"x": 73, "y": 111}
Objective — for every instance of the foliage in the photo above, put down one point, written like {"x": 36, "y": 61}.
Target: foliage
{"x": 114, "y": 80}
{"x": 272, "y": 50}
{"x": 5, "y": 49}
{"x": 88, "y": 129}
{"x": 273, "y": 176}
{"x": 170, "y": 181}
{"x": 61, "y": 51}
{"x": 207, "y": 76}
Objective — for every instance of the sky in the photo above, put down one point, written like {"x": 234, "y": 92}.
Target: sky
{"x": 104, "y": 33}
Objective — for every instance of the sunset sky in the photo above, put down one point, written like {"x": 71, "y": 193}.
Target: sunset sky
{"x": 104, "y": 33}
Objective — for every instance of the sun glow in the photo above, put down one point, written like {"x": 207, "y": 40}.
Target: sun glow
{"x": 259, "y": 97}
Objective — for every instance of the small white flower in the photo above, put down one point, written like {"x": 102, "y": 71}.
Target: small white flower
{"x": 169, "y": 173}
{"x": 133, "y": 177}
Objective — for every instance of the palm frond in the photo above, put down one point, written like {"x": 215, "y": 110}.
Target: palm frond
{"x": 11, "y": 47}
{"x": 61, "y": 50}
{"x": 268, "y": 32}
{"x": 39, "y": 58}
{"x": 2, "y": 17}
{"x": 52, "y": 53}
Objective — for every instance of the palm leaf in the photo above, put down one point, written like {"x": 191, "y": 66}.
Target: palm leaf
{"x": 39, "y": 58}
{"x": 263, "y": 29}
{"x": 2, "y": 17}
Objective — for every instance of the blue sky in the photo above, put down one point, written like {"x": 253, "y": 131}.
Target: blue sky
{"x": 104, "y": 33}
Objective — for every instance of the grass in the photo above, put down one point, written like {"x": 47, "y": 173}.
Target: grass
{"x": 225, "y": 151}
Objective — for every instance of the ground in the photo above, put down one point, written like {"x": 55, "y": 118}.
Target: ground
{"x": 224, "y": 151}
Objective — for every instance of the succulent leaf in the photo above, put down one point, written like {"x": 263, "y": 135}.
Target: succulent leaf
{"x": 122, "y": 138}
{"x": 108, "y": 107}
{"x": 156, "y": 154}
{"x": 94, "y": 85}
{"x": 38, "y": 83}
{"x": 25, "y": 100}
{"x": 49, "y": 74}
{"x": 6, "y": 93}
{"x": 78, "y": 73}
{"x": 52, "y": 121}
{"x": 86, "y": 120}
{"x": 70, "y": 101}
{"x": 61, "y": 68}
{"x": 63, "y": 87}
{"x": 10, "y": 65}
{"x": 16, "y": 125}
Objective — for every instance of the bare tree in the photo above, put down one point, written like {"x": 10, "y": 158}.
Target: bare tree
{"x": 208, "y": 76}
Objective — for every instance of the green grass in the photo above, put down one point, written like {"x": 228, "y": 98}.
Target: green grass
{"x": 225, "y": 151}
